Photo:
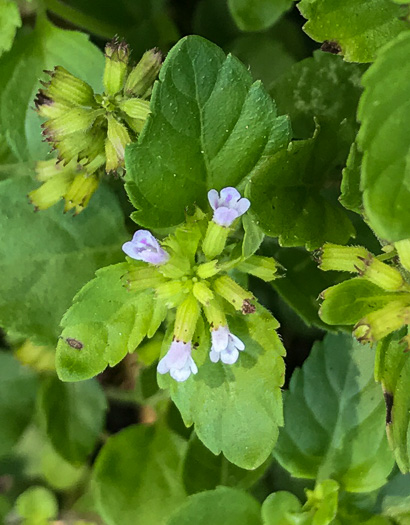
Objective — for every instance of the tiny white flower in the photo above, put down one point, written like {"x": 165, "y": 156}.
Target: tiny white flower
{"x": 178, "y": 361}
{"x": 225, "y": 346}
{"x": 145, "y": 247}
{"x": 227, "y": 205}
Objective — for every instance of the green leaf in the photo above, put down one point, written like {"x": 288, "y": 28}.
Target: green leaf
{"x": 18, "y": 387}
{"x": 357, "y": 28}
{"x": 202, "y": 470}
{"x": 287, "y": 201}
{"x": 348, "y": 302}
{"x": 46, "y": 257}
{"x": 42, "y": 49}
{"x": 219, "y": 127}
{"x": 393, "y": 371}
{"x": 281, "y": 508}
{"x": 253, "y": 236}
{"x": 393, "y": 500}
{"x": 37, "y": 505}
{"x": 74, "y": 416}
{"x": 9, "y": 22}
{"x": 302, "y": 283}
{"x": 334, "y": 418}
{"x": 257, "y": 15}
{"x": 107, "y": 320}
{"x": 136, "y": 476}
{"x": 351, "y": 196}
{"x": 223, "y": 506}
{"x": 385, "y": 115}
{"x": 228, "y": 402}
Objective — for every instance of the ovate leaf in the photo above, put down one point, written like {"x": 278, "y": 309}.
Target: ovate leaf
{"x": 281, "y": 508}
{"x": 9, "y": 22}
{"x": 334, "y": 418}
{"x": 223, "y": 506}
{"x": 105, "y": 322}
{"x": 384, "y": 139}
{"x": 42, "y": 49}
{"x": 46, "y": 257}
{"x": 228, "y": 402}
{"x": 393, "y": 371}
{"x": 37, "y": 505}
{"x": 287, "y": 201}
{"x": 18, "y": 387}
{"x": 136, "y": 476}
{"x": 257, "y": 15}
{"x": 354, "y": 28}
{"x": 210, "y": 127}
{"x": 74, "y": 416}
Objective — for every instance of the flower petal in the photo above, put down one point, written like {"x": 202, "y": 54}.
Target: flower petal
{"x": 229, "y": 357}
{"x": 225, "y": 216}
{"x": 229, "y": 197}
{"x": 130, "y": 249}
{"x": 220, "y": 338}
{"x": 237, "y": 342}
{"x": 180, "y": 375}
{"x": 214, "y": 356}
{"x": 242, "y": 206}
{"x": 163, "y": 367}
{"x": 213, "y": 199}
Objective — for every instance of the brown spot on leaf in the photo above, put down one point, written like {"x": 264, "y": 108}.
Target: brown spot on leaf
{"x": 74, "y": 343}
{"x": 331, "y": 46}
{"x": 248, "y": 307}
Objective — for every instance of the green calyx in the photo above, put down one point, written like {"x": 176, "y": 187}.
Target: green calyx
{"x": 89, "y": 129}
{"x": 376, "y": 309}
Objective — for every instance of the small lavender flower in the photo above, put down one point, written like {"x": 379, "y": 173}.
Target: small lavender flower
{"x": 227, "y": 206}
{"x": 178, "y": 361}
{"x": 145, "y": 247}
{"x": 225, "y": 346}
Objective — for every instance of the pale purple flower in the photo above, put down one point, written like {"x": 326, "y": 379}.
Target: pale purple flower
{"x": 225, "y": 346}
{"x": 178, "y": 361}
{"x": 227, "y": 205}
{"x": 145, "y": 247}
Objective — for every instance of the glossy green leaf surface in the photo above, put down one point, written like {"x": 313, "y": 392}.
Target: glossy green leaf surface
{"x": 258, "y": 14}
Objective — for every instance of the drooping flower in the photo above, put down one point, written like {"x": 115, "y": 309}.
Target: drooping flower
{"x": 225, "y": 346}
{"x": 145, "y": 247}
{"x": 178, "y": 361}
{"x": 227, "y": 205}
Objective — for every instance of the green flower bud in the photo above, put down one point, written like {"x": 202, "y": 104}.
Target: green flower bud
{"x": 48, "y": 108}
{"x": 383, "y": 275}
{"x": 403, "y": 249}
{"x": 68, "y": 89}
{"x": 186, "y": 318}
{"x": 171, "y": 293}
{"x": 118, "y": 137}
{"x": 116, "y": 61}
{"x": 341, "y": 258}
{"x": 143, "y": 75}
{"x": 111, "y": 159}
{"x": 208, "y": 269}
{"x": 75, "y": 120}
{"x": 142, "y": 277}
{"x": 215, "y": 240}
{"x": 380, "y": 323}
{"x": 265, "y": 268}
{"x": 135, "y": 108}
{"x": 234, "y": 294}
{"x": 215, "y": 314}
{"x": 202, "y": 292}
{"x": 80, "y": 192}
{"x": 55, "y": 186}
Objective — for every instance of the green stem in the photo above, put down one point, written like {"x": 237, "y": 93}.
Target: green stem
{"x": 82, "y": 20}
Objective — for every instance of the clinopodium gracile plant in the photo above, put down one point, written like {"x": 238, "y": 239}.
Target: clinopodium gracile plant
{"x": 90, "y": 131}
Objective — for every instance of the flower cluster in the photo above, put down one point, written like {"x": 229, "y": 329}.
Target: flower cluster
{"x": 186, "y": 275}
{"x": 90, "y": 131}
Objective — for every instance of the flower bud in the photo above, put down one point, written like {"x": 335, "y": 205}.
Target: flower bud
{"x": 171, "y": 293}
{"x": 80, "y": 192}
{"x": 202, "y": 292}
{"x": 341, "y": 258}
{"x": 116, "y": 61}
{"x": 215, "y": 240}
{"x": 73, "y": 121}
{"x": 186, "y": 318}
{"x": 143, "y": 75}
{"x": 215, "y": 314}
{"x": 140, "y": 278}
{"x": 264, "y": 268}
{"x": 234, "y": 294}
{"x": 383, "y": 275}
{"x": 376, "y": 325}
{"x": 118, "y": 137}
{"x": 53, "y": 189}
{"x": 67, "y": 88}
{"x": 135, "y": 108}
{"x": 208, "y": 269}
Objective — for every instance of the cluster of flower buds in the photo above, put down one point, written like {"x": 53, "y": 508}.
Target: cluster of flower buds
{"x": 187, "y": 276}
{"x": 356, "y": 259}
{"x": 90, "y": 131}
